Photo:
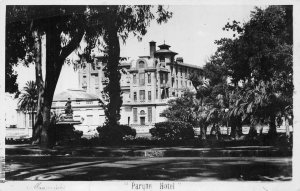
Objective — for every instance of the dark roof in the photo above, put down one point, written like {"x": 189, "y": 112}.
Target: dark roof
{"x": 164, "y": 46}
{"x": 189, "y": 65}
{"x": 165, "y": 51}
{"x": 74, "y": 95}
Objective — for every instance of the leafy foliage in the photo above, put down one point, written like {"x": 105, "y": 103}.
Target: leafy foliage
{"x": 173, "y": 130}
{"x": 115, "y": 134}
{"x": 249, "y": 78}
{"x": 28, "y": 98}
{"x": 65, "y": 27}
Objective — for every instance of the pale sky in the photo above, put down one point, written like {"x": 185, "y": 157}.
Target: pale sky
{"x": 191, "y": 33}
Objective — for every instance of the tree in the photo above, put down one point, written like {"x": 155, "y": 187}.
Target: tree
{"x": 51, "y": 21}
{"x": 28, "y": 100}
{"x": 64, "y": 28}
{"x": 118, "y": 22}
{"x": 259, "y": 61}
{"x": 181, "y": 109}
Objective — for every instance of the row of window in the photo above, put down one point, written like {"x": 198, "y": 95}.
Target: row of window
{"x": 164, "y": 94}
{"x": 163, "y": 78}
{"x": 180, "y": 71}
{"x": 142, "y": 96}
{"x": 183, "y": 83}
{"x": 141, "y": 78}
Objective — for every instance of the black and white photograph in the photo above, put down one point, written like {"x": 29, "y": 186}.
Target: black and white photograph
{"x": 154, "y": 96}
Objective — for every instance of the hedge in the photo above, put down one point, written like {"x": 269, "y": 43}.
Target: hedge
{"x": 173, "y": 130}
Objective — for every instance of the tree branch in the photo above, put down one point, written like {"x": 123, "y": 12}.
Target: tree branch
{"x": 73, "y": 44}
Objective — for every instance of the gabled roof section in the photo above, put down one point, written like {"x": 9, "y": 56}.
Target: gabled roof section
{"x": 75, "y": 95}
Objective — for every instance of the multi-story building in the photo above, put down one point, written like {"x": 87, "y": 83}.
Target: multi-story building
{"x": 147, "y": 83}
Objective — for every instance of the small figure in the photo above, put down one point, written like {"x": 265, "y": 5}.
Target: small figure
{"x": 68, "y": 110}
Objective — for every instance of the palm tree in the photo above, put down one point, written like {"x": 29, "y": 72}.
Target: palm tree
{"x": 203, "y": 102}
{"x": 28, "y": 100}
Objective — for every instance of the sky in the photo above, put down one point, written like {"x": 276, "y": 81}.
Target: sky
{"x": 191, "y": 33}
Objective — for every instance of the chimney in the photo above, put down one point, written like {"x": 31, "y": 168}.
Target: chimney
{"x": 152, "y": 48}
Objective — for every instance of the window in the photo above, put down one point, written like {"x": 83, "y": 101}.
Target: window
{"x": 181, "y": 72}
{"x": 156, "y": 94}
{"x": 30, "y": 120}
{"x": 149, "y": 95}
{"x": 134, "y": 96}
{"x": 135, "y": 114}
{"x": 150, "y": 114}
{"x": 84, "y": 76}
{"x": 142, "y": 112}
{"x": 149, "y": 78}
{"x": 161, "y": 78}
{"x": 142, "y": 120}
{"x": 89, "y": 102}
{"x": 141, "y": 64}
{"x": 162, "y": 59}
{"x": 96, "y": 79}
{"x": 142, "y": 78}
{"x": 142, "y": 95}
{"x": 25, "y": 120}
{"x": 134, "y": 78}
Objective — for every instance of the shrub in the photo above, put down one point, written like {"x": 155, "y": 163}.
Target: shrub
{"x": 173, "y": 130}
{"x": 115, "y": 134}
{"x": 60, "y": 133}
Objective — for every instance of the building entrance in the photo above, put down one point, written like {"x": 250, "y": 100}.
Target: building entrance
{"x": 142, "y": 119}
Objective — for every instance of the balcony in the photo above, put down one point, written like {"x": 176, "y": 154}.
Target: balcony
{"x": 165, "y": 85}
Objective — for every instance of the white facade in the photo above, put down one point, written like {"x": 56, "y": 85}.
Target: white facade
{"x": 86, "y": 108}
{"x": 18, "y": 123}
{"x": 147, "y": 84}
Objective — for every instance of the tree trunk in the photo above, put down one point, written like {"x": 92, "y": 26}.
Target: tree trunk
{"x": 55, "y": 57}
{"x": 272, "y": 125}
{"x": 236, "y": 127}
{"x": 36, "y": 130}
{"x": 233, "y": 127}
{"x": 203, "y": 129}
{"x": 113, "y": 88}
{"x": 53, "y": 68}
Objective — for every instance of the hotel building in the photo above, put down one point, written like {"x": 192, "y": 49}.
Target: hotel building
{"x": 147, "y": 84}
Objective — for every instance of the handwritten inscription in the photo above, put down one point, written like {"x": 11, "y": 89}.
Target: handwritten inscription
{"x": 41, "y": 186}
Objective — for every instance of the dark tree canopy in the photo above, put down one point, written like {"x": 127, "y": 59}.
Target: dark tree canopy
{"x": 64, "y": 28}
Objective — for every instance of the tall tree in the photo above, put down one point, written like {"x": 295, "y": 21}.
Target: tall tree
{"x": 28, "y": 100}
{"x": 52, "y": 21}
{"x": 259, "y": 60}
{"x": 64, "y": 28}
{"x": 117, "y": 22}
